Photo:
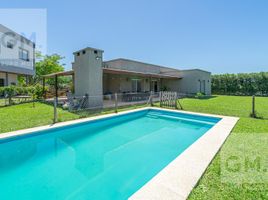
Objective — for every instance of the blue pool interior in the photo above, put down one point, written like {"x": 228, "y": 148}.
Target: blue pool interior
{"x": 109, "y": 158}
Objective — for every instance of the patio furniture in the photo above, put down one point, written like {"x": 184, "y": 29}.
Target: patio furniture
{"x": 76, "y": 103}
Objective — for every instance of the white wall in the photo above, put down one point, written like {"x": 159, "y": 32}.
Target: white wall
{"x": 88, "y": 75}
{"x": 171, "y": 84}
{"x": 11, "y": 56}
{"x": 190, "y": 82}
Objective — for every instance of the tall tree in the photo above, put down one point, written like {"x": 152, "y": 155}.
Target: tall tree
{"x": 46, "y": 65}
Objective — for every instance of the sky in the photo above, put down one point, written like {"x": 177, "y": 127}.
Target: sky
{"x": 221, "y": 36}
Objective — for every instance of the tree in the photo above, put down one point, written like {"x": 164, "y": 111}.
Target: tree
{"x": 46, "y": 65}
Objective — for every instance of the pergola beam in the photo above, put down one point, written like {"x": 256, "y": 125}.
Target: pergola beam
{"x": 56, "y": 88}
{"x": 55, "y": 76}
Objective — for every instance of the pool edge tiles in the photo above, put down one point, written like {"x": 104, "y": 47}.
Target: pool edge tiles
{"x": 179, "y": 177}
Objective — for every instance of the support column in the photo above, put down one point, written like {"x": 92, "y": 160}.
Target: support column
{"x": 44, "y": 85}
{"x": 160, "y": 84}
{"x": 6, "y": 80}
{"x": 150, "y": 84}
{"x": 72, "y": 89}
{"x": 56, "y": 88}
{"x": 27, "y": 79}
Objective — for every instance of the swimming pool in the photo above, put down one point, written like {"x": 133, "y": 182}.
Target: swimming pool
{"x": 109, "y": 158}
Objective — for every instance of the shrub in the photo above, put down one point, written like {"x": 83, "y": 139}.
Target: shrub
{"x": 199, "y": 95}
{"x": 10, "y": 91}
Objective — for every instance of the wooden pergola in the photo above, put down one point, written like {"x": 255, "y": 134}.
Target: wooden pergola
{"x": 55, "y": 76}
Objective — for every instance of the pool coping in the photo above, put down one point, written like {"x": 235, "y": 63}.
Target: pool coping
{"x": 179, "y": 177}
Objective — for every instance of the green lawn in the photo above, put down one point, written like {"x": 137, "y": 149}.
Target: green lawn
{"x": 25, "y": 116}
{"x": 210, "y": 186}
{"x": 227, "y": 105}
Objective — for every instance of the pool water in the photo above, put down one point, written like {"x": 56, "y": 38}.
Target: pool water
{"x": 104, "y": 159}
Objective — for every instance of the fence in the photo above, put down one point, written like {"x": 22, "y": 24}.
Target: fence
{"x": 88, "y": 105}
{"x": 14, "y": 100}
{"x": 109, "y": 101}
{"x": 85, "y": 106}
{"x": 168, "y": 99}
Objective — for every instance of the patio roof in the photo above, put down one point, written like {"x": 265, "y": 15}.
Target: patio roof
{"x": 66, "y": 73}
{"x": 144, "y": 74}
{"x": 117, "y": 71}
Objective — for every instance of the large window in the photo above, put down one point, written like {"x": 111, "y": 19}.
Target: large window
{"x": 136, "y": 85}
{"x": 23, "y": 54}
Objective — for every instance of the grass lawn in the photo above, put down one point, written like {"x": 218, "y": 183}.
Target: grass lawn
{"x": 210, "y": 185}
{"x": 24, "y": 116}
{"x": 227, "y": 105}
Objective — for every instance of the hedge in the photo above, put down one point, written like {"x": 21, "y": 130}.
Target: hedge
{"x": 35, "y": 91}
{"x": 240, "y": 84}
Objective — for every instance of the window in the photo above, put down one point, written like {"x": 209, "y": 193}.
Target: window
{"x": 136, "y": 85}
{"x": 84, "y": 52}
{"x": 2, "y": 82}
{"x": 95, "y": 52}
{"x": 10, "y": 45}
{"x": 23, "y": 54}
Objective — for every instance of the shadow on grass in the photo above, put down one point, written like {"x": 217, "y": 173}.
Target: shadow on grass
{"x": 258, "y": 116}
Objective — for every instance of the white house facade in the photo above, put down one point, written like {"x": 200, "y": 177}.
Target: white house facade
{"x": 16, "y": 56}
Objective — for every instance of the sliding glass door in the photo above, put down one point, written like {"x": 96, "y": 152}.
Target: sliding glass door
{"x": 136, "y": 85}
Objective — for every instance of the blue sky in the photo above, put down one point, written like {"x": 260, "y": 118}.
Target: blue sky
{"x": 221, "y": 36}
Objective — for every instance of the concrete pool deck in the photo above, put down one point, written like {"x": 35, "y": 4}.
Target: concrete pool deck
{"x": 180, "y": 176}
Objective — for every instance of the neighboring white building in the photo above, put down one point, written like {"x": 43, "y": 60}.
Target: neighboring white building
{"x": 16, "y": 56}
{"x": 95, "y": 77}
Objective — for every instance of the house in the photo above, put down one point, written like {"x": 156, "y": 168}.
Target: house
{"x": 96, "y": 77}
{"x": 16, "y": 57}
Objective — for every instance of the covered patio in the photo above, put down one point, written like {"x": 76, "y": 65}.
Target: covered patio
{"x": 123, "y": 81}
{"x": 129, "y": 86}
